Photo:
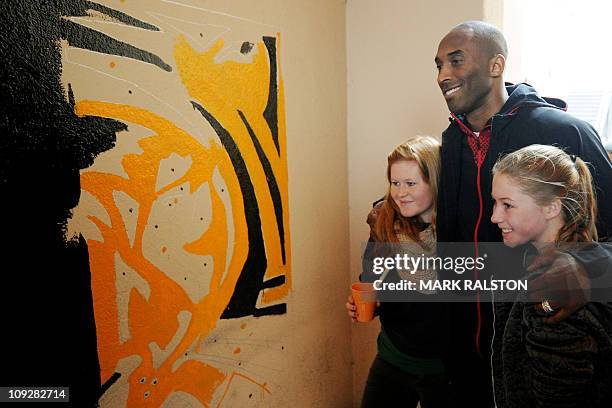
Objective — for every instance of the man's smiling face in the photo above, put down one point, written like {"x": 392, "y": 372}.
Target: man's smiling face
{"x": 463, "y": 73}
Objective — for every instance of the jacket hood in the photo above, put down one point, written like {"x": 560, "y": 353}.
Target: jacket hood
{"x": 519, "y": 96}
{"x": 522, "y": 95}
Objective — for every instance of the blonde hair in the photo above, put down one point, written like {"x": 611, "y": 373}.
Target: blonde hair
{"x": 425, "y": 151}
{"x": 547, "y": 173}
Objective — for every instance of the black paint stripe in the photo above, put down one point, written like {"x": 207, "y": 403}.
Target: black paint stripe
{"x": 272, "y": 185}
{"x": 274, "y": 282}
{"x": 124, "y": 18}
{"x": 84, "y": 37}
{"x": 271, "y": 310}
{"x": 107, "y": 384}
{"x": 271, "y": 111}
{"x": 71, "y": 100}
{"x": 244, "y": 299}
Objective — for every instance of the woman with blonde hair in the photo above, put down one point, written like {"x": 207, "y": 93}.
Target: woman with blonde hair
{"x": 545, "y": 198}
{"x": 413, "y": 338}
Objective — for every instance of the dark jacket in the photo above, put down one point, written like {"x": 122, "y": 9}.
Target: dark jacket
{"x": 565, "y": 365}
{"x": 525, "y": 119}
{"x": 417, "y": 329}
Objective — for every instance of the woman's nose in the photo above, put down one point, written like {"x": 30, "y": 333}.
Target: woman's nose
{"x": 496, "y": 217}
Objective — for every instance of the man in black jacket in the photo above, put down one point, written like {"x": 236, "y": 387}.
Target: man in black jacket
{"x": 490, "y": 118}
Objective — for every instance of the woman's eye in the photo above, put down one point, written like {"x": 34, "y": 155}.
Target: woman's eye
{"x": 507, "y": 206}
{"x": 411, "y": 183}
{"x": 395, "y": 183}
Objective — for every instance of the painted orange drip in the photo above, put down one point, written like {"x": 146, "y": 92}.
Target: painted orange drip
{"x": 112, "y": 64}
{"x": 263, "y": 386}
{"x": 237, "y": 350}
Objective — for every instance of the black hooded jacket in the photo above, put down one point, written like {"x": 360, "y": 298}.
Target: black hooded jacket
{"x": 525, "y": 119}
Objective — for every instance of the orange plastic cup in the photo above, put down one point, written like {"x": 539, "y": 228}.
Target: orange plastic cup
{"x": 365, "y": 300}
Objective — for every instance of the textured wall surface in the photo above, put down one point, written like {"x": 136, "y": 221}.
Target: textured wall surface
{"x": 186, "y": 217}
{"x": 144, "y": 152}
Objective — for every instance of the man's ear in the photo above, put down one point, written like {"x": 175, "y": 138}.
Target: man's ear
{"x": 553, "y": 209}
{"x": 497, "y": 64}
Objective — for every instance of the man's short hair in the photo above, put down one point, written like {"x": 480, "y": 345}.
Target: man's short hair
{"x": 490, "y": 38}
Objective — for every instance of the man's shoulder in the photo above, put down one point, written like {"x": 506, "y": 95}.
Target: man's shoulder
{"x": 556, "y": 123}
{"x": 550, "y": 116}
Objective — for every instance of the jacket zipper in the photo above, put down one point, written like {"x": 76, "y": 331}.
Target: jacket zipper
{"x": 479, "y": 163}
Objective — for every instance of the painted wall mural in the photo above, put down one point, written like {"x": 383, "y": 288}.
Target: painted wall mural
{"x": 175, "y": 127}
